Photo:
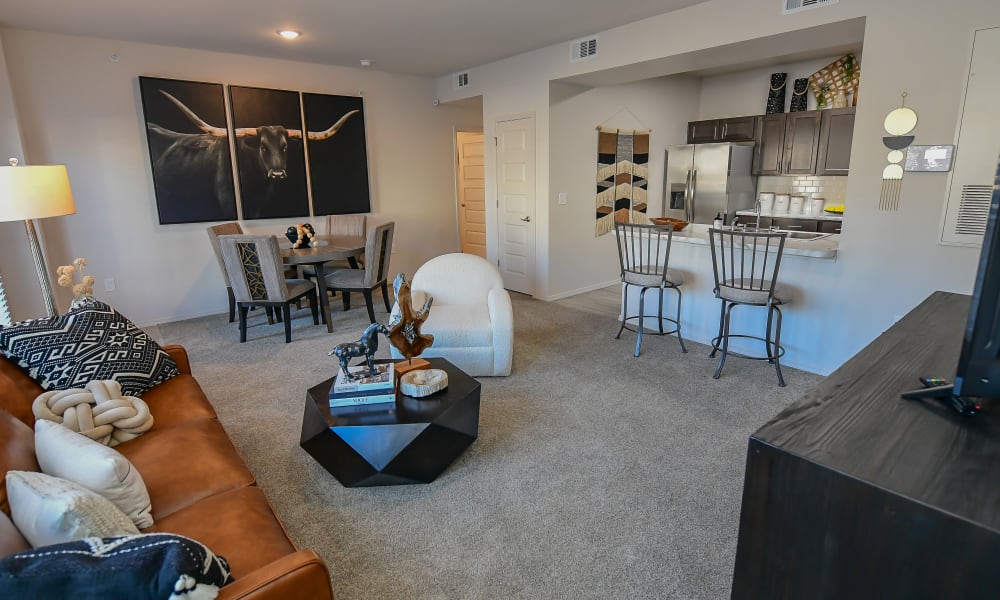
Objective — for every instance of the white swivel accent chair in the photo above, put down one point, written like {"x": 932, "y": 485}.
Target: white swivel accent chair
{"x": 471, "y": 319}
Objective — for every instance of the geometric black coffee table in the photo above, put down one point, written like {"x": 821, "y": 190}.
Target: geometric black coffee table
{"x": 412, "y": 441}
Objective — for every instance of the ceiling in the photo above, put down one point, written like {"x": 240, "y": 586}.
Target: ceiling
{"x": 425, "y": 37}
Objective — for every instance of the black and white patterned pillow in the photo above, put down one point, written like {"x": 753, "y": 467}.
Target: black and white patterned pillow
{"x": 91, "y": 342}
{"x": 152, "y": 565}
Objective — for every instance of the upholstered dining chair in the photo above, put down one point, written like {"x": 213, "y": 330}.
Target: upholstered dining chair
{"x": 214, "y": 232}
{"x": 256, "y": 274}
{"x": 378, "y": 248}
{"x": 352, "y": 225}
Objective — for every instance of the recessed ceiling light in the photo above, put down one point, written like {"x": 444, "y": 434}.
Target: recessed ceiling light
{"x": 365, "y": 62}
{"x": 289, "y": 34}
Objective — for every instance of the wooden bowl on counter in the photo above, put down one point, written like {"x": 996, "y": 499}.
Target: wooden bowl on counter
{"x": 679, "y": 224}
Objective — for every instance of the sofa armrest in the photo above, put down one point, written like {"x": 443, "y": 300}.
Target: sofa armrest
{"x": 299, "y": 575}
{"x": 179, "y": 354}
{"x": 502, "y": 318}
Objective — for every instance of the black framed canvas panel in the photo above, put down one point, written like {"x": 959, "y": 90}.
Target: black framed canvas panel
{"x": 188, "y": 150}
{"x": 270, "y": 160}
{"x": 338, "y": 156}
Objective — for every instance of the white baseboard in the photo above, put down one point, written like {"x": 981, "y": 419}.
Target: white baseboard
{"x": 179, "y": 317}
{"x": 582, "y": 290}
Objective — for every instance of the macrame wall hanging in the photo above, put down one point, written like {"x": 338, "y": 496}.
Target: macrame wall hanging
{"x": 622, "y": 177}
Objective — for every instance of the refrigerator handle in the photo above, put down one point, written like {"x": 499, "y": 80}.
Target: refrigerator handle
{"x": 694, "y": 192}
{"x": 688, "y": 214}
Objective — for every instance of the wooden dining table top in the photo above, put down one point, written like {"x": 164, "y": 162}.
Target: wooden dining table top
{"x": 329, "y": 247}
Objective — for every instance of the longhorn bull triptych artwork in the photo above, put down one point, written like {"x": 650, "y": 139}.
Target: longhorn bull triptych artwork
{"x": 191, "y": 142}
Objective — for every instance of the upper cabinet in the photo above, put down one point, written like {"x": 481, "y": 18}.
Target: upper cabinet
{"x": 836, "y": 136}
{"x": 815, "y": 142}
{"x": 735, "y": 129}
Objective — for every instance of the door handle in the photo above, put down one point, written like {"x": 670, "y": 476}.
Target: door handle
{"x": 526, "y": 219}
{"x": 463, "y": 206}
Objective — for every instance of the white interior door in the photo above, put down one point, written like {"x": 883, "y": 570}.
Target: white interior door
{"x": 516, "y": 202}
{"x": 471, "y": 193}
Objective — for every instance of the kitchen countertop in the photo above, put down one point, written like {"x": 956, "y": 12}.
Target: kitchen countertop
{"x": 824, "y": 247}
{"x": 823, "y": 217}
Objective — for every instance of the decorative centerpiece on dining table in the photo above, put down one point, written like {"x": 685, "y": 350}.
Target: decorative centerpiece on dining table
{"x": 301, "y": 235}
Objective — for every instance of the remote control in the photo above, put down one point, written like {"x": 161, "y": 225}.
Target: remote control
{"x": 933, "y": 381}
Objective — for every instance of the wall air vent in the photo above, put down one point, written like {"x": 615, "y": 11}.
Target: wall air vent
{"x": 461, "y": 81}
{"x": 583, "y": 49}
{"x": 974, "y": 210}
{"x": 794, "y": 6}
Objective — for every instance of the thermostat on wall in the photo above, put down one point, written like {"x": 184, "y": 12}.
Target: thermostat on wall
{"x": 929, "y": 158}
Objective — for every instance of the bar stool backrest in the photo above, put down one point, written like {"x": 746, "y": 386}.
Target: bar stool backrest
{"x": 644, "y": 253}
{"x": 745, "y": 264}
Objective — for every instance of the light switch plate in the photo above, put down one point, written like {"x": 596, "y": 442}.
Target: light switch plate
{"x": 562, "y": 197}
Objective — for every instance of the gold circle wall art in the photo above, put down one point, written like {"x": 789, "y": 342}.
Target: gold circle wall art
{"x": 898, "y": 124}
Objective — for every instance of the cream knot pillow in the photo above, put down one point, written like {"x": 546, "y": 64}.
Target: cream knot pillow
{"x": 99, "y": 412}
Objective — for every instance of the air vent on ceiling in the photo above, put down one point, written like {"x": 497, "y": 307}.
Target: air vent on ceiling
{"x": 974, "y": 210}
{"x": 461, "y": 80}
{"x": 794, "y": 6}
{"x": 583, "y": 49}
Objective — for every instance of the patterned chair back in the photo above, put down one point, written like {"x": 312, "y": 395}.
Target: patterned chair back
{"x": 378, "y": 249}
{"x": 253, "y": 263}
{"x": 346, "y": 225}
{"x": 213, "y": 235}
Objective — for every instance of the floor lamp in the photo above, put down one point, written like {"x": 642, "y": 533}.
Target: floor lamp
{"x": 36, "y": 192}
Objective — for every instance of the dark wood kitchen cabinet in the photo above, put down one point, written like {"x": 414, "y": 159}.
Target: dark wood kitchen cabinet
{"x": 734, "y": 129}
{"x": 814, "y": 142}
{"x": 836, "y": 136}
{"x": 801, "y": 142}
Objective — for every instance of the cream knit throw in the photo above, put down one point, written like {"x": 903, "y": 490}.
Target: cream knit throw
{"x": 100, "y": 412}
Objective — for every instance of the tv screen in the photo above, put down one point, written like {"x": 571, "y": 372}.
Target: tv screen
{"x": 978, "y": 373}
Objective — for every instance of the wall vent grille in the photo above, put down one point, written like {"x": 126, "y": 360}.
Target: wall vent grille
{"x": 583, "y": 49}
{"x": 974, "y": 209}
{"x": 794, "y": 6}
{"x": 461, "y": 81}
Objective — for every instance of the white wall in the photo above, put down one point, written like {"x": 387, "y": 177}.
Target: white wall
{"x": 885, "y": 258}
{"x": 662, "y": 105}
{"x": 77, "y": 107}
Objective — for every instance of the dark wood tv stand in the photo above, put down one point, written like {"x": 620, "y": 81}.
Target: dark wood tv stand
{"x": 853, "y": 492}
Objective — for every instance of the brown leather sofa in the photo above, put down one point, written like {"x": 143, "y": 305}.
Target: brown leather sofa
{"x": 199, "y": 485}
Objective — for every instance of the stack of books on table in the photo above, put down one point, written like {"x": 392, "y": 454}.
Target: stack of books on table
{"x": 364, "y": 390}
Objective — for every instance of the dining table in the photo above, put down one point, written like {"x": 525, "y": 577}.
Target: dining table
{"x": 323, "y": 249}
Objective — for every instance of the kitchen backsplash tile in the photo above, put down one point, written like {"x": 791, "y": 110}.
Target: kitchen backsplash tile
{"x": 834, "y": 189}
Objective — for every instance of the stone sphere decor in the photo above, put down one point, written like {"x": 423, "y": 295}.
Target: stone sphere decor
{"x": 423, "y": 382}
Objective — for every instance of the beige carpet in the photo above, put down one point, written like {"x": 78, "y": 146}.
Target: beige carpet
{"x": 595, "y": 475}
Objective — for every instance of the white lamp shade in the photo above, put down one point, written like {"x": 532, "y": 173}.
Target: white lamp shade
{"x": 35, "y": 192}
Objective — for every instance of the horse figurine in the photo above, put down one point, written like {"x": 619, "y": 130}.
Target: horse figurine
{"x": 366, "y": 346}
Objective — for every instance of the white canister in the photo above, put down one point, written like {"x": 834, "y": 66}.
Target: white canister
{"x": 766, "y": 200}
{"x": 780, "y": 203}
{"x": 795, "y": 205}
{"x": 815, "y": 206}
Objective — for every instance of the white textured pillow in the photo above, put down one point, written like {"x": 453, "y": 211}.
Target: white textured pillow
{"x": 49, "y": 510}
{"x": 73, "y": 456}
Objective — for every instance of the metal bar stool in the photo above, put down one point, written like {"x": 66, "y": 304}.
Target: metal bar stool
{"x": 643, "y": 254}
{"x": 746, "y": 267}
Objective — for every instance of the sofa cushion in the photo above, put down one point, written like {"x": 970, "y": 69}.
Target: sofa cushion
{"x": 459, "y": 325}
{"x": 74, "y": 456}
{"x": 177, "y": 400}
{"x": 17, "y": 452}
{"x": 90, "y": 342}
{"x": 185, "y": 463}
{"x": 50, "y": 510}
{"x": 239, "y": 524}
{"x": 136, "y": 566}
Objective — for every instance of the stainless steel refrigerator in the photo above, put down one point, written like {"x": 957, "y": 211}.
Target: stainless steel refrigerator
{"x": 703, "y": 180}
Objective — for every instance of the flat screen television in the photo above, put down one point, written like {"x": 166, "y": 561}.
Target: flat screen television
{"x": 978, "y": 373}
